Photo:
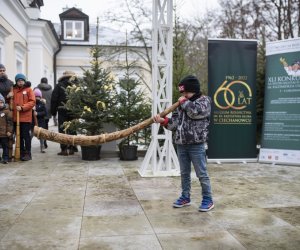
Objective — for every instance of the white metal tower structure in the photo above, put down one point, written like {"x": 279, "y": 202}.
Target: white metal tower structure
{"x": 161, "y": 158}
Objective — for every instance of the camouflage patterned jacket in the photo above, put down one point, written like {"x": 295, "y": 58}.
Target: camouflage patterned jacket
{"x": 190, "y": 121}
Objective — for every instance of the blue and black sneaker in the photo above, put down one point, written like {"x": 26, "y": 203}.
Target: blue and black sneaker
{"x": 206, "y": 205}
{"x": 182, "y": 202}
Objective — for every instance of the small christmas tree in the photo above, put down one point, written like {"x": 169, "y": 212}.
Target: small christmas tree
{"x": 132, "y": 106}
{"x": 91, "y": 100}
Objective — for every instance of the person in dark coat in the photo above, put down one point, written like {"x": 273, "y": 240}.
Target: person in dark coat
{"x": 46, "y": 90}
{"x": 58, "y": 98}
{"x": 6, "y": 129}
{"x": 6, "y": 86}
{"x": 40, "y": 112}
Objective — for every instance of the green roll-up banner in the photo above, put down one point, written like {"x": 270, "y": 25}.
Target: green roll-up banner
{"x": 281, "y": 125}
{"x": 232, "y": 86}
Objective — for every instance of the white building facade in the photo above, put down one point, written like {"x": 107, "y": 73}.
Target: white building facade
{"x": 39, "y": 48}
{"x": 27, "y": 43}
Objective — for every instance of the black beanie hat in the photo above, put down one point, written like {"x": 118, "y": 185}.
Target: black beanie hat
{"x": 2, "y": 66}
{"x": 189, "y": 84}
{"x": 44, "y": 80}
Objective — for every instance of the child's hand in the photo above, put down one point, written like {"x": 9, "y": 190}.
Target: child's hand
{"x": 19, "y": 108}
{"x": 35, "y": 113}
{"x": 8, "y": 134}
{"x": 182, "y": 99}
{"x": 158, "y": 119}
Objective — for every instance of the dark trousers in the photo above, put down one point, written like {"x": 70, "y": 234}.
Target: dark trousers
{"x": 25, "y": 138}
{"x": 46, "y": 127}
{"x": 4, "y": 144}
{"x": 47, "y": 124}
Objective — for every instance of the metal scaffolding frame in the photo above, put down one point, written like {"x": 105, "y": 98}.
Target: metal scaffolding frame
{"x": 161, "y": 158}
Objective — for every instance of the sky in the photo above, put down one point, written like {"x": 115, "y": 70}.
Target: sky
{"x": 93, "y": 8}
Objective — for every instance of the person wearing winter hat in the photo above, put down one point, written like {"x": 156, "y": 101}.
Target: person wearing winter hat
{"x": 5, "y": 84}
{"x": 189, "y": 84}
{"x": 58, "y": 98}
{"x": 190, "y": 122}
{"x": 37, "y": 93}
{"x": 6, "y": 129}
{"x": 24, "y": 101}
{"x": 67, "y": 74}
{"x": 40, "y": 112}
{"x": 46, "y": 90}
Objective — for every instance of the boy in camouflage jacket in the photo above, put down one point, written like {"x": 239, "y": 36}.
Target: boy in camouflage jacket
{"x": 190, "y": 123}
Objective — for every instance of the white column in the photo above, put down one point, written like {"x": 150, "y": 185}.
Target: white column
{"x": 41, "y": 44}
{"x": 161, "y": 158}
{"x": 35, "y": 61}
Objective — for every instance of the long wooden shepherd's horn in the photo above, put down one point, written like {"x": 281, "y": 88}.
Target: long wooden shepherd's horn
{"x": 96, "y": 139}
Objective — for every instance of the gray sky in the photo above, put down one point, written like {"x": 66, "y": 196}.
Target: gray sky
{"x": 94, "y": 8}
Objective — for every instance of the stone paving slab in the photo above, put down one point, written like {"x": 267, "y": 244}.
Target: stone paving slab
{"x": 58, "y": 202}
{"x": 133, "y": 242}
{"x": 200, "y": 240}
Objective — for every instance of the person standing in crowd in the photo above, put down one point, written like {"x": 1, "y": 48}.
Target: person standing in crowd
{"x": 24, "y": 101}
{"x": 40, "y": 112}
{"x": 6, "y": 87}
{"x": 5, "y": 84}
{"x": 6, "y": 129}
{"x": 46, "y": 90}
{"x": 58, "y": 98}
{"x": 190, "y": 123}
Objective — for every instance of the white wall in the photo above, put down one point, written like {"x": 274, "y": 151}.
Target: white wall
{"x": 27, "y": 45}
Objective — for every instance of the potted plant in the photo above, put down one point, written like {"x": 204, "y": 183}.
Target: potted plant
{"x": 91, "y": 103}
{"x": 132, "y": 107}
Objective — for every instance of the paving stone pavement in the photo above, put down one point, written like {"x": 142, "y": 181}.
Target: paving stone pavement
{"x": 62, "y": 202}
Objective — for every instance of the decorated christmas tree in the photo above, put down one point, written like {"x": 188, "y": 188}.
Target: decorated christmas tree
{"x": 92, "y": 100}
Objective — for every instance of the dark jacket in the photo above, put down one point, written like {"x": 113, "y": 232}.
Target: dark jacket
{"x": 5, "y": 87}
{"x": 6, "y": 122}
{"x": 59, "y": 97}
{"x": 46, "y": 90}
{"x": 190, "y": 121}
{"x": 41, "y": 110}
